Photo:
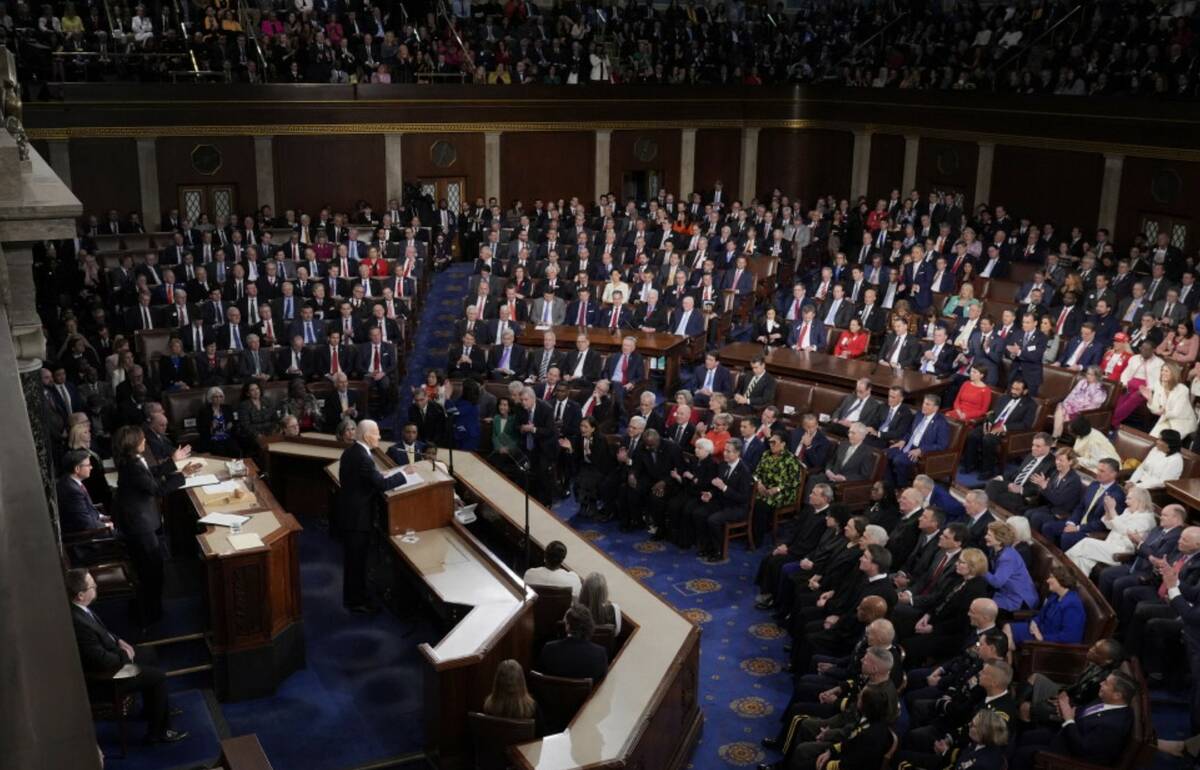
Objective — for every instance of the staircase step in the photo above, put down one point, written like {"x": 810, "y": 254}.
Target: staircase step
{"x": 190, "y": 670}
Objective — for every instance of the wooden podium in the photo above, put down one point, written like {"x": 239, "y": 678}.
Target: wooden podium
{"x": 257, "y": 634}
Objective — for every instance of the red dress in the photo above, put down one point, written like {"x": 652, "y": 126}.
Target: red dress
{"x": 852, "y": 344}
{"x": 973, "y": 401}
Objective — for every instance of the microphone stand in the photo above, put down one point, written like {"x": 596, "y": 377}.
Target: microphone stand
{"x": 521, "y": 460}
{"x": 451, "y": 420}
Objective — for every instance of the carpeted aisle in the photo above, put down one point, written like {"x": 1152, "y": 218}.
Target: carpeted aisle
{"x": 360, "y": 698}
{"x": 743, "y": 688}
{"x": 435, "y": 332}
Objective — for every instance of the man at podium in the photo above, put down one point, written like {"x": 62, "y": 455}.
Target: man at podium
{"x": 360, "y": 485}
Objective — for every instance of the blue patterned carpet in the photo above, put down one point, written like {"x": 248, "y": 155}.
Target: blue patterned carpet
{"x": 742, "y": 686}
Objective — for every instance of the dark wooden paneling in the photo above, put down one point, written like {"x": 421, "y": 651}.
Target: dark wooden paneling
{"x": 1160, "y": 187}
{"x": 104, "y": 175}
{"x": 335, "y": 171}
{"x": 1031, "y": 183}
{"x": 718, "y": 156}
{"x": 237, "y": 168}
{"x": 943, "y": 164}
{"x": 804, "y": 164}
{"x": 623, "y": 157}
{"x": 544, "y": 165}
{"x": 886, "y": 167}
{"x": 417, "y": 159}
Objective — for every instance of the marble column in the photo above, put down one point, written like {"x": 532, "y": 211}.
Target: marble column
{"x": 687, "y": 164}
{"x": 264, "y": 170}
{"x": 983, "y": 173}
{"x": 491, "y": 165}
{"x": 1110, "y": 193}
{"x": 152, "y": 210}
{"x": 860, "y": 166}
{"x": 60, "y": 159}
{"x": 603, "y": 161}
{"x": 912, "y": 145}
{"x": 392, "y": 153}
{"x": 749, "y": 182}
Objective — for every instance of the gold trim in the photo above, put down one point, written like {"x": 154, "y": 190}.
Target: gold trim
{"x": 360, "y": 129}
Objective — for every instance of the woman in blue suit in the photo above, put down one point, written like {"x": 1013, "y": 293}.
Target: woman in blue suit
{"x": 466, "y": 417}
{"x": 1008, "y": 577}
{"x": 1062, "y": 616}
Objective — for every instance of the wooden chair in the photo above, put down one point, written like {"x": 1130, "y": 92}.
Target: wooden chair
{"x": 605, "y": 635}
{"x": 491, "y": 737}
{"x": 560, "y": 698}
{"x": 552, "y": 603}
{"x": 109, "y": 703}
{"x": 941, "y": 466}
{"x": 743, "y": 528}
{"x": 789, "y": 510}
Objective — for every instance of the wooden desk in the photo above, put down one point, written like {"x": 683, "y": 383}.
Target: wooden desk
{"x": 459, "y": 572}
{"x": 655, "y": 344}
{"x": 1186, "y": 491}
{"x": 844, "y": 373}
{"x": 297, "y": 470}
{"x": 645, "y": 713}
{"x": 253, "y": 595}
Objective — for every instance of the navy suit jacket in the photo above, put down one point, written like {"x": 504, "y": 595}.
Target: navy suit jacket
{"x": 571, "y": 317}
{"x": 722, "y": 379}
{"x": 76, "y": 510}
{"x": 936, "y": 436}
{"x": 1097, "y": 737}
{"x": 604, "y": 317}
{"x": 695, "y": 323}
{"x": 816, "y": 334}
{"x": 816, "y": 455}
{"x": 1096, "y": 515}
{"x": 1090, "y": 356}
{"x": 637, "y": 369}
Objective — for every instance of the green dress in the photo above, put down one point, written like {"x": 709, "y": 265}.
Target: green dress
{"x": 783, "y": 471}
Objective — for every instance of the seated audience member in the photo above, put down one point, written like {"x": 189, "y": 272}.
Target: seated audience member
{"x": 1091, "y": 446}
{"x": 509, "y": 698}
{"x": 1009, "y": 578}
{"x": 988, "y": 737}
{"x": 1095, "y": 732}
{"x": 930, "y": 433}
{"x": 1061, "y": 617}
{"x": 1164, "y": 463}
{"x": 1171, "y": 402}
{"x": 1017, "y": 487}
{"x": 554, "y": 573}
{"x": 215, "y": 424}
{"x": 1139, "y": 377}
{"x": 594, "y": 596}
{"x": 104, "y": 654}
{"x": 974, "y": 398}
{"x": 1087, "y": 394}
{"x": 576, "y": 656}
{"x": 777, "y": 480}
{"x": 962, "y": 612}
{"x": 1015, "y": 411}
{"x": 1039, "y": 698}
{"x": 1089, "y": 513}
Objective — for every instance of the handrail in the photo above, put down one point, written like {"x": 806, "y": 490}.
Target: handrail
{"x": 450, "y": 17}
{"x": 187, "y": 39}
{"x": 879, "y": 32}
{"x": 1049, "y": 30}
{"x": 248, "y": 28}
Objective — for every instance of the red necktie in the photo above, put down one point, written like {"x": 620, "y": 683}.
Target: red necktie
{"x": 957, "y": 263}
{"x": 616, "y": 318}
{"x": 582, "y": 314}
{"x": 800, "y": 336}
{"x": 375, "y": 363}
{"x": 333, "y": 365}
{"x": 270, "y": 331}
{"x": 591, "y": 405}
{"x": 624, "y": 368}
{"x": 170, "y": 294}
{"x": 1179, "y": 564}
{"x": 1062, "y": 319}
{"x": 796, "y": 309}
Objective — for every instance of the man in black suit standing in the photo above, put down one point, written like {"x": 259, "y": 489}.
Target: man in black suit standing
{"x": 725, "y": 503}
{"x": 359, "y": 484}
{"x": 428, "y": 416}
{"x": 103, "y": 653}
{"x": 76, "y": 511}
{"x": 538, "y": 439}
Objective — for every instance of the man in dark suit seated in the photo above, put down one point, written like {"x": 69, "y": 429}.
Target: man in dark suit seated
{"x": 1088, "y": 515}
{"x": 808, "y": 334}
{"x": 576, "y": 656}
{"x": 727, "y": 502}
{"x": 1095, "y": 733}
{"x": 1014, "y": 412}
{"x": 755, "y": 388}
{"x": 859, "y": 406}
{"x": 466, "y": 358}
{"x": 583, "y": 364}
{"x": 851, "y": 461}
{"x": 930, "y": 433}
{"x": 409, "y": 449}
{"x": 76, "y": 511}
{"x": 895, "y": 423}
{"x": 359, "y": 484}
{"x": 625, "y": 368}
{"x": 685, "y": 320}
{"x": 104, "y": 655}
{"x": 505, "y": 360}
{"x": 899, "y": 348}
{"x": 341, "y": 404}
{"x": 938, "y": 360}
{"x": 1019, "y": 485}
{"x": 428, "y": 416}
{"x": 377, "y": 365}
{"x": 711, "y": 378}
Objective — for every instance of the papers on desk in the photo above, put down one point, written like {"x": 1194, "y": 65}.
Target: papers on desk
{"x": 541, "y": 328}
{"x": 200, "y": 480}
{"x": 224, "y": 519}
{"x": 221, "y": 488}
{"x": 245, "y": 541}
{"x": 412, "y": 479}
